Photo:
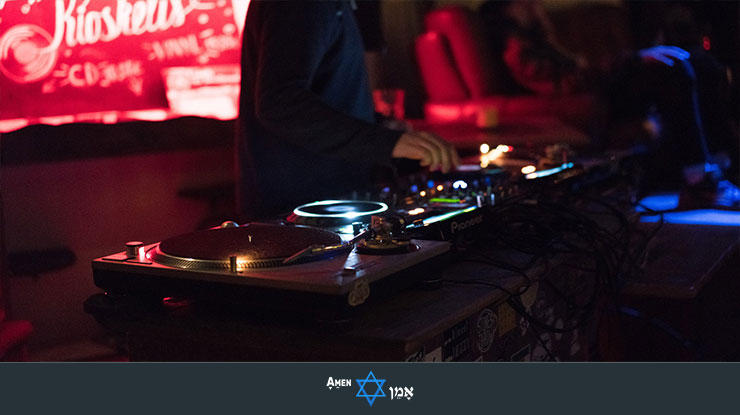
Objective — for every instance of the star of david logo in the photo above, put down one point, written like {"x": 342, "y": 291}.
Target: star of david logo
{"x": 370, "y": 379}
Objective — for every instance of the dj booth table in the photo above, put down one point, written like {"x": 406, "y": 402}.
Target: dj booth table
{"x": 684, "y": 307}
{"x": 686, "y": 304}
{"x": 446, "y": 320}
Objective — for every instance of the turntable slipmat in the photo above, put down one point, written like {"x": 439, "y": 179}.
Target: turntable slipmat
{"x": 262, "y": 245}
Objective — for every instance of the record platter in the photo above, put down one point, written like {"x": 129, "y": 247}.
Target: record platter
{"x": 338, "y": 215}
{"x": 256, "y": 262}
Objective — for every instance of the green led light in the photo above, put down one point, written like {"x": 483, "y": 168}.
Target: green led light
{"x": 448, "y": 215}
{"x": 443, "y": 200}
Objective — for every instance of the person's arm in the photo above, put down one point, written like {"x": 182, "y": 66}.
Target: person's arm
{"x": 294, "y": 38}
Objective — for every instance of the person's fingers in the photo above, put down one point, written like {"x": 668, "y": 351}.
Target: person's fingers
{"x": 664, "y": 59}
{"x": 677, "y": 52}
{"x": 455, "y": 156}
{"x": 440, "y": 147}
{"x": 430, "y": 146}
{"x": 427, "y": 157}
{"x": 659, "y": 58}
{"x": 448, "y": 150}
{"x": 408, "y": 146}
{"x": 431, "y": 150}
{"x": 420, "y": 152}
{"x": 666, "y": 55}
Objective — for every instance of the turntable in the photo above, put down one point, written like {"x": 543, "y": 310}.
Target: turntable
{"x": 337, "y": 215}
{"x": 258, "y": 263}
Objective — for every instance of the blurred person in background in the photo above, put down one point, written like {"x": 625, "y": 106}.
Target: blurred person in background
{"x": 673, "y": 96}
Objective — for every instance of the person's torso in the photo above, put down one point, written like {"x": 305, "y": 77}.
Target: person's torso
{"x": 275, "y": 174}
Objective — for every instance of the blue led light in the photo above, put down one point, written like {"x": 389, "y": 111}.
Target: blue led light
{"x": 414, "y": 188}
{"x": 548, "y": 172}
{"x": 662, "y": 202}
{"x": 698, "y": 217}
{"x": 430, "y": 184}
{"x": 659, "y": 202}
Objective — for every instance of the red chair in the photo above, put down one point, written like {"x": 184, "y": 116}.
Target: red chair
{"x": 13, "y": 337}
{"x": 462, "y": 78}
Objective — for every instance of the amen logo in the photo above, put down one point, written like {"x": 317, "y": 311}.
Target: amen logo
{"x": 338, "y": 383}
{"x": 371, "y": 383}
{"x": 372, "y": 388}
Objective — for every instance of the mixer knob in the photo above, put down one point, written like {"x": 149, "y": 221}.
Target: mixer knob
{"x": 229, "y": 224}
{"x": 132, "y": 248}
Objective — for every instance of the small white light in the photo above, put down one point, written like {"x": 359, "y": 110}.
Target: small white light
{"x": 485, "y": 148}
{"x": 460, "y": 184}
{"x": 529, "y": 169}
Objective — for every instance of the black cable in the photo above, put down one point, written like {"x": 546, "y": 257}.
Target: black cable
{"x": 542, "y": 224}
{"x": 542, "y": 342}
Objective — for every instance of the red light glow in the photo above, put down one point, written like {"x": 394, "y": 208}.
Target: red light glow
{"x": 706, "y": 43}
{"x": 118, "y": 64}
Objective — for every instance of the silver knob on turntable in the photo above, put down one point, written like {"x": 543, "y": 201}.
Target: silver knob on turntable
{"x": 132, "y": 248}
{"x": 229, "y": 224}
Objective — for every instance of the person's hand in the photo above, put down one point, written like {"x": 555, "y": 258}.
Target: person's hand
{"x": 430, "y": 149}
{"x": 667, "y": 55}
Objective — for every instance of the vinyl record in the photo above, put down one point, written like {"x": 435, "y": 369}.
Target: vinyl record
{"x": 254, "y": 246}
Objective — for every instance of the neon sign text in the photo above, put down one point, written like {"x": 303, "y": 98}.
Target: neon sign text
{"x": 77, "y": 25}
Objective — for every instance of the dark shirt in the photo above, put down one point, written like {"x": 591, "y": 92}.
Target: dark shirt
{"x": 306, "y": 129}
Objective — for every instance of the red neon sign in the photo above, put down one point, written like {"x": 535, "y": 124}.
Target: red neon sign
{"x": 107, "y": 60}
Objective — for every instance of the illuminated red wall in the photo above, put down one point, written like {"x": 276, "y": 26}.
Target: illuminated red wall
{"x": 107, "y": 60}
